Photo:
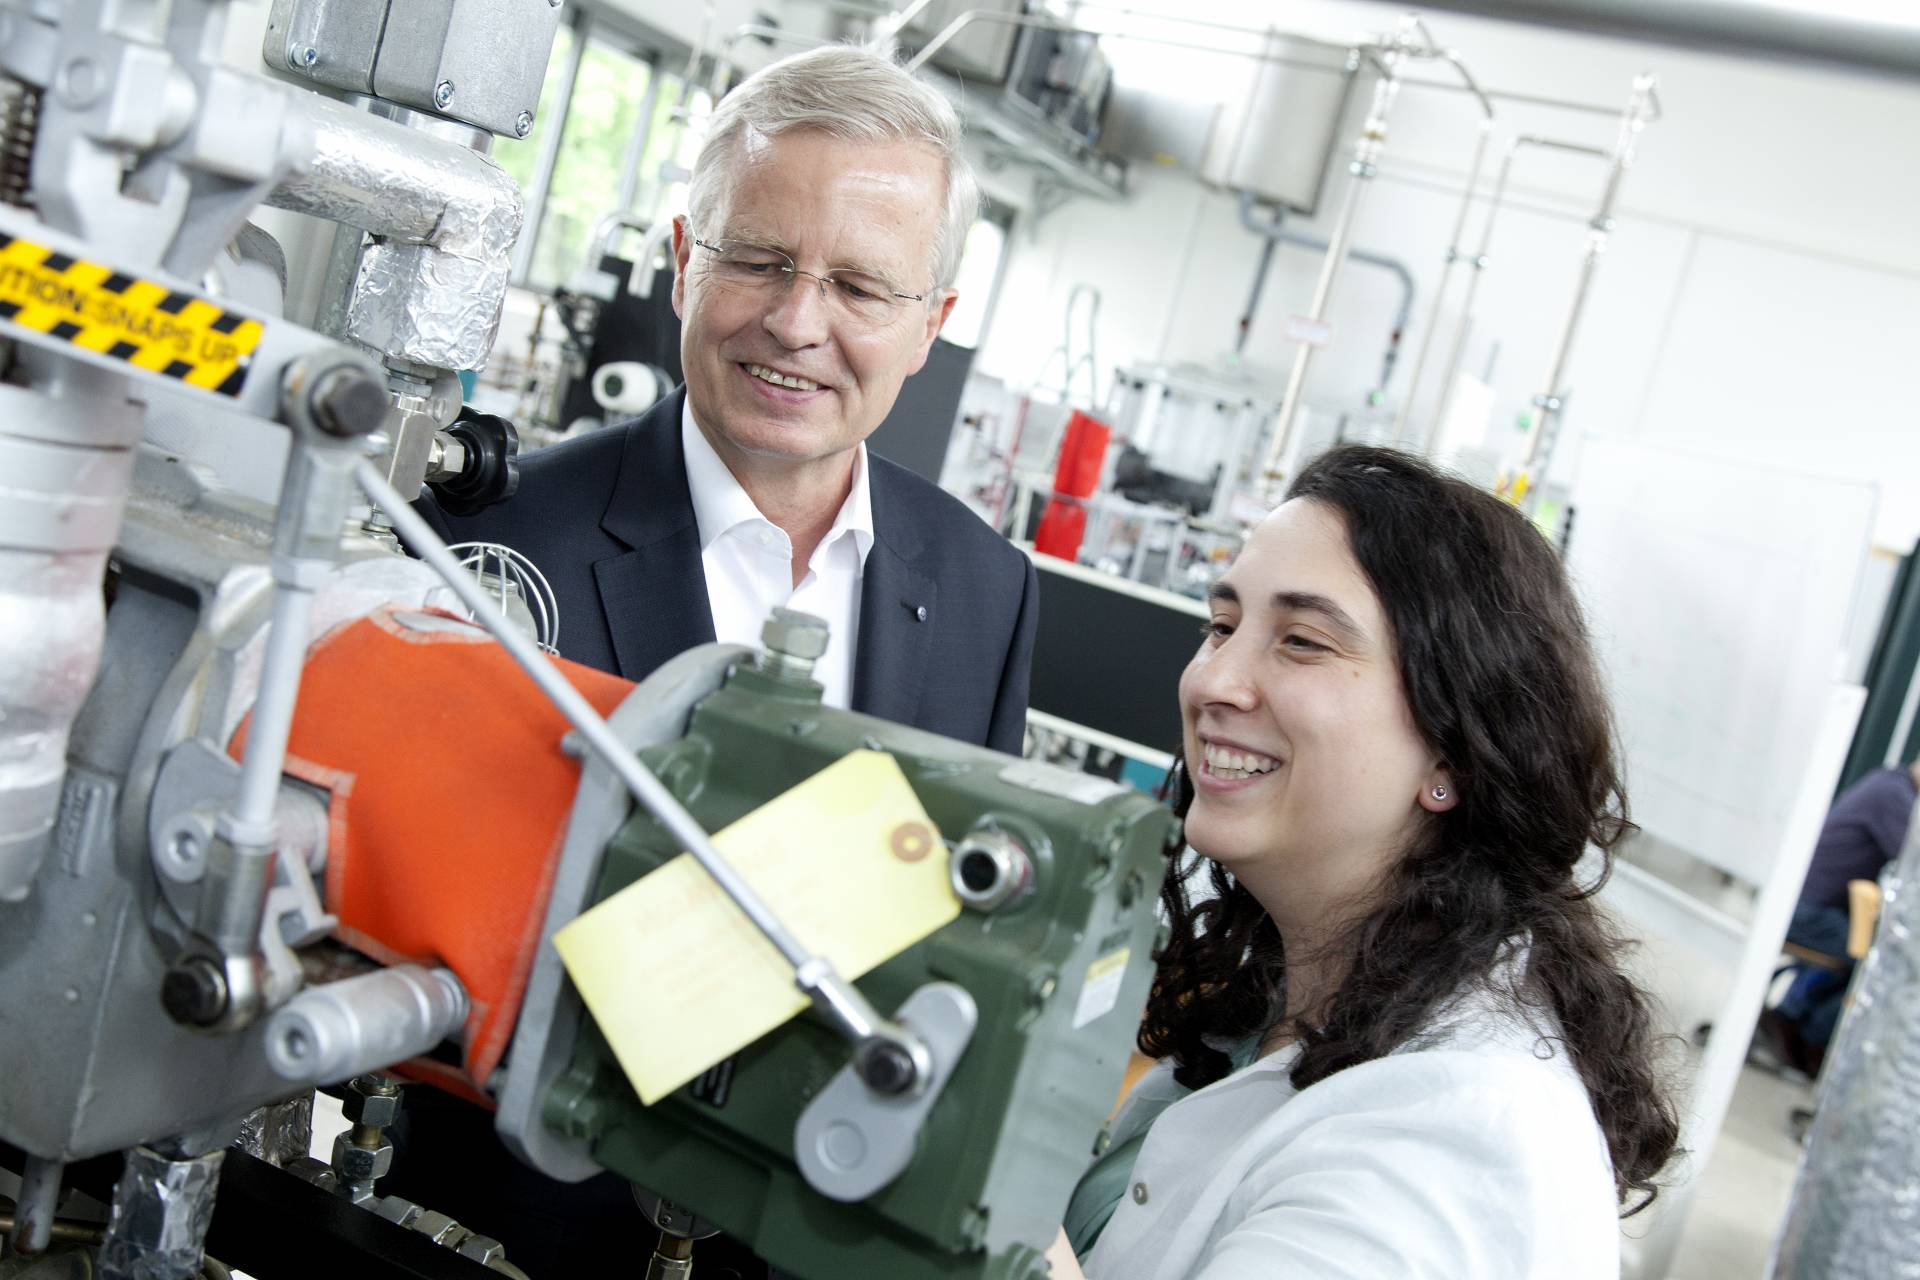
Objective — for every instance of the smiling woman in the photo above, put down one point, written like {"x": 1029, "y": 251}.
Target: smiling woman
{"x": 1394, "y": 1038}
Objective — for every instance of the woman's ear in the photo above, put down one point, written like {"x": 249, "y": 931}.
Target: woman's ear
{"x": 1437, "y": 794}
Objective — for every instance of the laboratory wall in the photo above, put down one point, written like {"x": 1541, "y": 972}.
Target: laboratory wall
{"x": 1759, "y": 299}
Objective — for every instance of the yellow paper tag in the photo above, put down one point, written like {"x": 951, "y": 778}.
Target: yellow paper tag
{"x": 679, "y": 979}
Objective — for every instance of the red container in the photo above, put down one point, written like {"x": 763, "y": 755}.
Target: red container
{"x": 1083, "y": 455}
{"x": 1062, "y": 525}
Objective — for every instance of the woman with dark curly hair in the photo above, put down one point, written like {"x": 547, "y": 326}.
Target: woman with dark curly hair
{"x": 1393, "y": 1033}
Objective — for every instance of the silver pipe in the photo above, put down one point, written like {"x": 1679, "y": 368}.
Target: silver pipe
{"x": 1552, "y": 399}
{"x": 1276, "y": 230}
{"x": 38, "y": 1203}
{"x": 1479, "y": 265}
{"x": 1366, "y": 154}
{"x": 1810, "y": 33}
{"x": 813, "y": 974}
{"x": 1446, "y": 278}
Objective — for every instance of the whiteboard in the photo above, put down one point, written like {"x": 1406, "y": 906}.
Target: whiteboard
{"x": 1720, "y": 594}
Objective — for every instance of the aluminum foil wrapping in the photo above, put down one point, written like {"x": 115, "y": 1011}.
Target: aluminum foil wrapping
{"x": 1855, "y": 1212}
{"x": 160, "y": 1214}
{"x": 280, "y": 1132}
{"x": 444, "y": 217}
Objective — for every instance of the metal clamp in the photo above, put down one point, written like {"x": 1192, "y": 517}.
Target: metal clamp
{"x": 853, "y": 1139}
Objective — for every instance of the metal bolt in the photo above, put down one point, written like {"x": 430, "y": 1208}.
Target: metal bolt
{"x": 303, "y": 58}
{"x": 887, "y": 1067}
{"x": 195, "y": 992}
{"x": 347, "y": 401}
{"x": 523, "y": 124}
{"x": 788, "y": 633}
{"x": 443, "y": 93}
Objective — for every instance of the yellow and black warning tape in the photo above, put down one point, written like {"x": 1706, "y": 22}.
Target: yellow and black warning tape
{"x": 146, "y": 324}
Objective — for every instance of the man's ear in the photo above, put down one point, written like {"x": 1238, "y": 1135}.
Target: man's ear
{"x": 682, "y": 251}
{"x": 936, "y": 321}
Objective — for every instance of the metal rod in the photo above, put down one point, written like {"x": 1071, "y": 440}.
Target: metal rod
{"x": 813, "y": 974}
{"x": 32, "y": 1227}
{"x": 1479, "y": 263}
{"x": 1446, "y": 278}
{"x": 1552, "y": 399}
{"x": 63, "y": 1230}
{"x": 1803, "y": 33}
{"x": 1366, "y": 154}
{"x": 1274, "y": 231}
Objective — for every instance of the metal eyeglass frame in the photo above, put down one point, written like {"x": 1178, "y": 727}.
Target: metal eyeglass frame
{"x": 792, "y": 269}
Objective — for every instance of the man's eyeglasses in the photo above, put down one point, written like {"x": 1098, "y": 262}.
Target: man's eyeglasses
{"x": 861, "y": 296}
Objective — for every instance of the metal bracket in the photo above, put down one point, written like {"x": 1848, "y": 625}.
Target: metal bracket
{"x": 550, "y": 1013}
{"x": 852, "y": 1140}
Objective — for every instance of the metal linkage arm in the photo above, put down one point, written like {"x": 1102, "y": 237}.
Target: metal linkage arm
{"x": 890, "y": 1058}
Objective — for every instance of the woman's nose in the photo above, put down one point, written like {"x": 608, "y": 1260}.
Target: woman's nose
{"x": 1222, "y": 675}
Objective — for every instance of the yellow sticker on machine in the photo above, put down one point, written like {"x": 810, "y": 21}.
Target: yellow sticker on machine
{"x": 149, "y": 326}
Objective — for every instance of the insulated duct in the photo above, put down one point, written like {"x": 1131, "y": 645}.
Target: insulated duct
{"x": 444, "y": 217}
{"x": 1853, "y": 1213}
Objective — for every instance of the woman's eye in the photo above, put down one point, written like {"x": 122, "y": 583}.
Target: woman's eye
{"x": 1216, "y": 630}
{"x": 1301, "y": 644}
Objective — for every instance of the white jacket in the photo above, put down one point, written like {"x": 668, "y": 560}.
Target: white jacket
{"x": 1470, "y": 1155}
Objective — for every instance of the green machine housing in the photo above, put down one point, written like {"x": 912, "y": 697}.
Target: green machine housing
{"x": 1002, "y": 1147}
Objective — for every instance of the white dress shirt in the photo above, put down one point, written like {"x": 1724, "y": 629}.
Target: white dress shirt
{"x": 1473, "y": 1155}
{"x": 748, "y": 561}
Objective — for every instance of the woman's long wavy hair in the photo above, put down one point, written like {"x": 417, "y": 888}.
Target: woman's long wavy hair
{"x": 1500, "y": 678}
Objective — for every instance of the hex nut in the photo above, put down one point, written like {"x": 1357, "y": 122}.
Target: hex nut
{"x": 361, "y": 1164}
{"x": 436, "y": 1226}
{"x": 795, "y": 634}
{"x": 482, "y": 1249}
{"x": 398, "y": 1211}
{"x": 376, "y": 1110}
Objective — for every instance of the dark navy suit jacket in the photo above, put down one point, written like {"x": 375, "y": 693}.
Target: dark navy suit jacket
{"x": 947, "y": 606}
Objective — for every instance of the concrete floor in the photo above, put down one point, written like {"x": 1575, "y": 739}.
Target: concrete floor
{"x": 1742, "y": 1198}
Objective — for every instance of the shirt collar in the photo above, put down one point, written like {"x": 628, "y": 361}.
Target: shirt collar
{"x": 720, "y": 504}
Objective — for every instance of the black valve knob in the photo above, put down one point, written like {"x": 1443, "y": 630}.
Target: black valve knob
{"x": 492, "y": 470}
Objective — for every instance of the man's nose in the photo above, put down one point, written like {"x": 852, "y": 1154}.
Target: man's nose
{"x": 801, "y": 315}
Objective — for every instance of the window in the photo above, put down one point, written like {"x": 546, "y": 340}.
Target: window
{"x": 520, "y": 157}
{"x": 589, "y": 172}
{"x": 979, "y": 277}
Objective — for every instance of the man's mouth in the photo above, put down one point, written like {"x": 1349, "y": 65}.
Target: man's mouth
{"x": 779, "y": 379}
{"x": 1231, "y": 765}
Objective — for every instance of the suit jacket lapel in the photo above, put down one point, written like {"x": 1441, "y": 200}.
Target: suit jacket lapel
{"x": 654, "y": 594}
{"x": 898, "y": 611}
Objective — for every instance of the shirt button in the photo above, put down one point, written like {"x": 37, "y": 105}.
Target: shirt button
{"x": 920, "y": 614}
{"x": 1139, "y": 1193}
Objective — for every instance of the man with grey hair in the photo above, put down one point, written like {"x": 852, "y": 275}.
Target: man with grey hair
{"x": 827, "y": 211}
{"x": 815, "y": 266}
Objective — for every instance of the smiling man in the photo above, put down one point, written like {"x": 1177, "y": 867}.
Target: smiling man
{"x": 827, "y": 211}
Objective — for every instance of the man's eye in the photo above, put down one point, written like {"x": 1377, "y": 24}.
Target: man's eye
{"x": 859, "y": 290}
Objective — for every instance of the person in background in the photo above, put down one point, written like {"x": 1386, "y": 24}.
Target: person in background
{"x": 1863, "y": 832}
{"x": 1394, "y": 1039}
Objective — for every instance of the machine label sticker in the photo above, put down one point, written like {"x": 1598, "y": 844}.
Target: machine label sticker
{"x": 1051, "y": 780}
{"x": 147, "y": 325}
{"x": 1101, "y": 991}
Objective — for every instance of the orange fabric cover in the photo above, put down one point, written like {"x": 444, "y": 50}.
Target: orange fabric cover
{"x": 450, "y": 797}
